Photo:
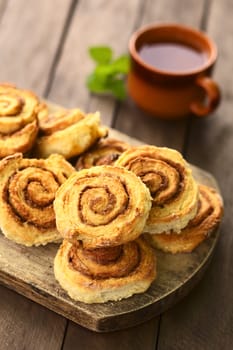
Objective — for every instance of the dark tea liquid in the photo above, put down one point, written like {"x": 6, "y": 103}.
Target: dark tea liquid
{"x": 172, "y": 57}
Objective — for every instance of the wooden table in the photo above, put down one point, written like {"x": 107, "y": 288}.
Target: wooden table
{"x": 44, "y": 48}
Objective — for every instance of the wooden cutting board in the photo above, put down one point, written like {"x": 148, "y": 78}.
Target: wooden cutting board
{"x": 29, "y": 271}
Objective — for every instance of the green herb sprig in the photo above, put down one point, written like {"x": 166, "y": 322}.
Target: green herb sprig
{"x": 109, "y": 73}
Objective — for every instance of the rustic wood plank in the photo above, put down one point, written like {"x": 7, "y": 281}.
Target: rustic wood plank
{"x": 137, "y": 338}
{"x": 204, "y": 319}
{"x": 130, "y": 119}
{"x": 173, "y": 11}
{"x": 26, "y": 60}
{"x": 3, "y": 4}
{"x": 25, "y": 325}
{"x": 30, "y": 35}
{"x": 95, "y": 22}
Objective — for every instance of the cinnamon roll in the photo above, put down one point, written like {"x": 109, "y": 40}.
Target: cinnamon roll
{"x": 18, "y": 120}
{"x": 105, "y": 274}
{"x": 169, "y": 178}
{"x": 27, "y": 190}
{"x": 209, "y": 214}
{"x": 102, "y": 206}
{"x": 68, "y": 132}
{"x": 105, "y": 152}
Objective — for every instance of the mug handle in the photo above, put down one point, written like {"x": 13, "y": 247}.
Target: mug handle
{"x": 213, "y": 97}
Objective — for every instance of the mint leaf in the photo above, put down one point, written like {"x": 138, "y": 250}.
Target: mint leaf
{"x": 101, "y": 54}
{"x": 104, "y": 71}
{"x": 121, "y": 64}
{"x": 95, "y": 84}
{"x": 111, "y": 85}
{"x": 118, "y": 89}
{"x": 108, "y": 76}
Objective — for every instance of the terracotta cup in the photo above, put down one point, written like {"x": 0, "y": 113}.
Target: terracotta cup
{"x": 173, "y": 94}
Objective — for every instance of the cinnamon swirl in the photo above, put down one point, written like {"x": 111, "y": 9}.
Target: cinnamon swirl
{"x": 209, "y": 214}
{"x": 99, "y": 206}
{"x": 169, "y": 178}
{"x": 68, "y": 132}
{"x": 27, "y": 190}
{"x": 127, "y": 270}
{"x": 18, "y": 120}
{"x": 105, "y": 152}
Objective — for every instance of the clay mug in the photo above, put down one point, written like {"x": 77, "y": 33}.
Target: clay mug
{"x": 181, "y": 88}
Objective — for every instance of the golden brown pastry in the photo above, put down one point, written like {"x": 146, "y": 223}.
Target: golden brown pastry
{"x": 68, "y": 132}
{"x": 42, "y": 112}
{"x": 27, "y": 190}
{"x": 18, "y": 120}
{"x": 173, "y": 189}
{"x": 99, "y": 207}
{"x": 210, "y": 211}
{"x": 105, "y": 152}
{"x": 102, "y": 274}
{"x": 100, "y": 215}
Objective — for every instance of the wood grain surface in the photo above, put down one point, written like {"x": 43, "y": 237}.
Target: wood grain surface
{"x": 204, "y": 320}
{"x": 34, "y": 326}
{"x": 31, "y": 60}
{"x": 91, "y": 16}
{"x": 30, "y": 35}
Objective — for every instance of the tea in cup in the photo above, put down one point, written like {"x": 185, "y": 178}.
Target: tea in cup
{"x": 171, "y": 67}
